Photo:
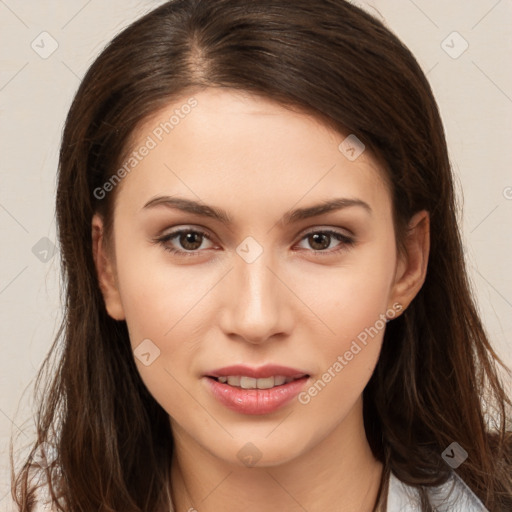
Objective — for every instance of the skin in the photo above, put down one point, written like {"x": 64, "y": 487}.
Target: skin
{"x": 298, "y": 304}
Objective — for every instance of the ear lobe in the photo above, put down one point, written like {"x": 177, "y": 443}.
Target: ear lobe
{"x": 411, "y": 268}
{"x": 105, "y": 271}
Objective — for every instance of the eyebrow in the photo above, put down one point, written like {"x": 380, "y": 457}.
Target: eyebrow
{"x": 204, "y": 210}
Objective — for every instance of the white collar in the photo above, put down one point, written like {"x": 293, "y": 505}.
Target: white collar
{"x": 453, "y": 496}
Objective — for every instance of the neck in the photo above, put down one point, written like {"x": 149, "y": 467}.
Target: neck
{"x": 339, "y": 473}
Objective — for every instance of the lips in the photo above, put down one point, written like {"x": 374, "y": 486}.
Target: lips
{"x": 255, "y": 390}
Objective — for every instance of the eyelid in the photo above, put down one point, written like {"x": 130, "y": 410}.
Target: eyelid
{"x": 204, "y": 231}
{"x": 326, "y": 229}
{"x": 186, "y": 227}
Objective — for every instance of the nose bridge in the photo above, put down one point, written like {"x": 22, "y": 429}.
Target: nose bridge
{"x": 256, "y": 307}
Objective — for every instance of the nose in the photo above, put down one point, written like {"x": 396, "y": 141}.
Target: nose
{"x": 256, "y": 304}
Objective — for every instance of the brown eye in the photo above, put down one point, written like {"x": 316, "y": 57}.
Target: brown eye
{"x": 188, "y": 241}
{"x": 320, "y": 241}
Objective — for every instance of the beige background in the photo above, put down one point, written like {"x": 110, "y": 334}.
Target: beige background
{"x": 473, "y": 89}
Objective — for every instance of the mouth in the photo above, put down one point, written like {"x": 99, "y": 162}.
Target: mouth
{"x": 255, "y": 390}
{"x": 251, "y": 391}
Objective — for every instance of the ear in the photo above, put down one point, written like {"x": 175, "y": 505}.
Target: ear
{"x": 105, "y": 269}
{"x": 411, "y": 268}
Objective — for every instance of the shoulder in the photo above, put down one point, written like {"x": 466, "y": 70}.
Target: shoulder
{"x": 452, "y": 496}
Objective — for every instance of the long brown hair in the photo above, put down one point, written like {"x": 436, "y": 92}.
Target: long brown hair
{"x": 437, "y": 380}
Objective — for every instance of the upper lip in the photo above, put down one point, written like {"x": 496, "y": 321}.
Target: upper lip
{"x": 261, "y": 372}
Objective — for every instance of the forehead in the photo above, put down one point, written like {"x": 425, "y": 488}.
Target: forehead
{"x": 249, "y": 150}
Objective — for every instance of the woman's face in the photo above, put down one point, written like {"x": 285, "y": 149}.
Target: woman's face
{"x": 258, "y": 288}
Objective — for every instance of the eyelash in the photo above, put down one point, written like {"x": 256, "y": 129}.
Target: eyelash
{"x": 347, "y": 242}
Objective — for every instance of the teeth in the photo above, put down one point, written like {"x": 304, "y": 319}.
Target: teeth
{"x": 279, "y": 380}
{"x": 248, "y": 383}
{"x": 244, "y": 382}
{"x": 267, "y": 383}
{"x": 234, "y": 381}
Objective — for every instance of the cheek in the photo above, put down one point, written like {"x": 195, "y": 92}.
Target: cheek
{"x": 156, "y": 296}
{"x": 151, "y": 306}
{"x": 353, "y": 305}
{"x": 165, "y": 310}
{"x": 352, "y": 296}
{"x": 348, "y": 357}
{"x": 159, "y": 319}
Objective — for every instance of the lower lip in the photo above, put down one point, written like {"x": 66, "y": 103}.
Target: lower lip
{"x": 255, "y": 401}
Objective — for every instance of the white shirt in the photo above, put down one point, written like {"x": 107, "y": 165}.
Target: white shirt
{"x": 453, "y": 496}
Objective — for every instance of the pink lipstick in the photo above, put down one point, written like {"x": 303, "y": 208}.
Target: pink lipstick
{"x": 255, "y": 390}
